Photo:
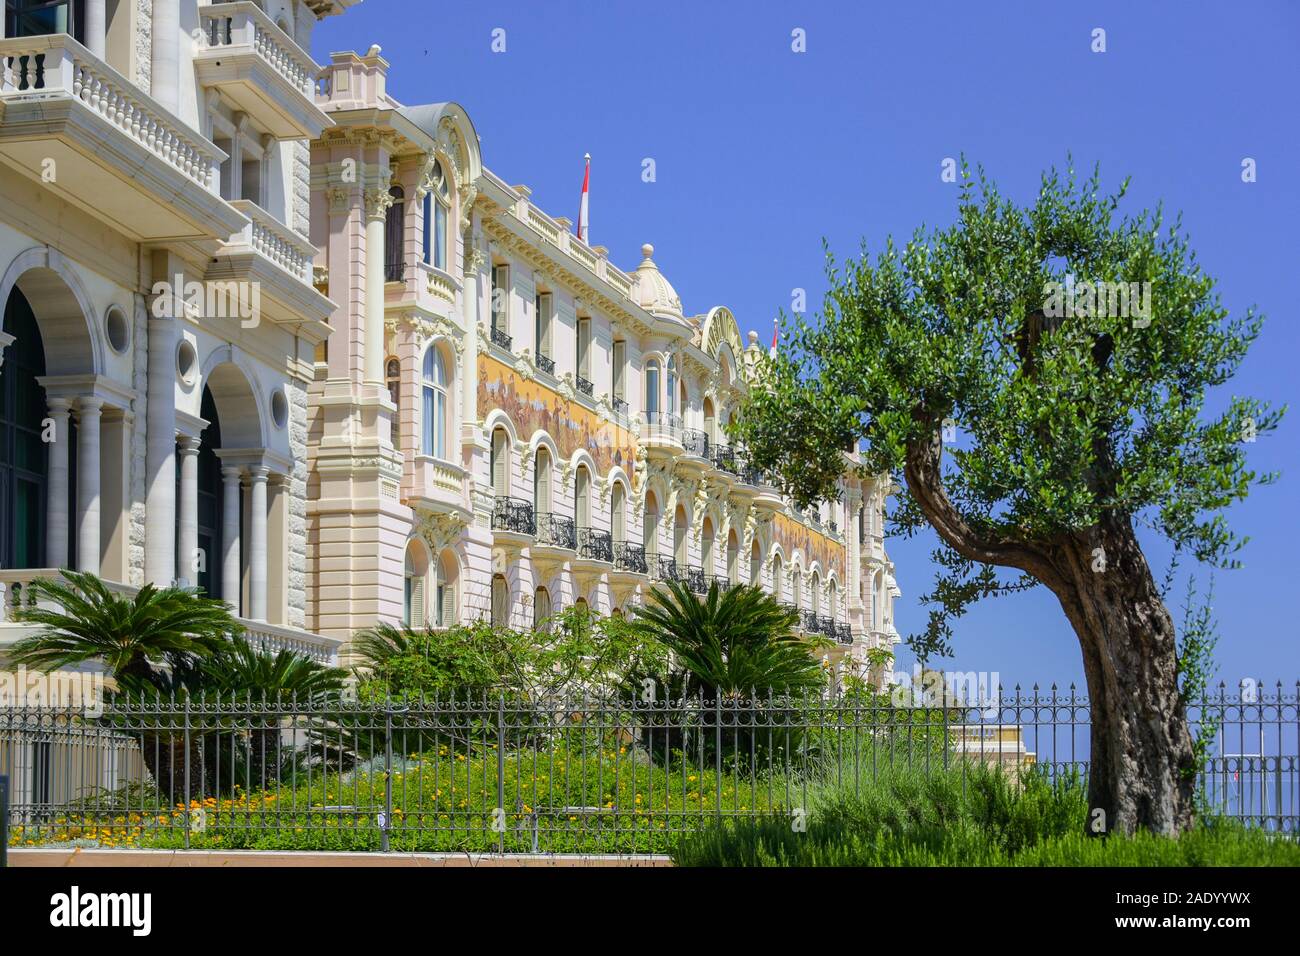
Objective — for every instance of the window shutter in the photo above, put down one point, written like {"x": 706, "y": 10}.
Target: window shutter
{"x": 417, "y": 603}
{"x": 499, "y": 462}
{"x": 500, "y": 602}
{"x": 447, "y": 598}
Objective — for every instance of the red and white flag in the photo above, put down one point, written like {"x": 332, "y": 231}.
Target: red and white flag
{"x": 771, "y": 353}
{"x": 584, "y": 223}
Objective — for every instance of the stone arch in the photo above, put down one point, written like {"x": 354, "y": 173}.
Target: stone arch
{"x": 69, "y": 325}
{"x": 239, "y": 401}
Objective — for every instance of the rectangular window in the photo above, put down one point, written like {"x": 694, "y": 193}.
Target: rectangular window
{"x": 620, "y": 362}
{"x": 584, "y": 347}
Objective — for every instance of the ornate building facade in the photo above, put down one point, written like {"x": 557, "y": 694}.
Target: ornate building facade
{"x": 503, "y": 423}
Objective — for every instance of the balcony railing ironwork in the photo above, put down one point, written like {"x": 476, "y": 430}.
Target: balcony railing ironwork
{"x": 629, "y": 557}
{"x": 620, "y": 407}
{"x": 395, "y": 270}
{"x": 695, "y": 442}
{"x": 843, "y": 632}
{"x": 500, "y": 338}
{"x": 513, "y": 514}
{"x": 696, "y": 581}
{"x": 595, "y": 545}
{"x": 545, "y": 363}
{"x": 666, "y": 569}
{"x": 724, "y": 458}
{"x": 556, "y": 531}
{"x": 585, "y": 386}
{"x": 721, "y": 580}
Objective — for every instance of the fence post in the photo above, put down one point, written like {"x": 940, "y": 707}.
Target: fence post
{"x": 187, "y": 772}
{"x": 4, "y": 821}
{"x": 717, "y": 757}
{"x": 388, "y": 776}
{"x": 501, "y": 768}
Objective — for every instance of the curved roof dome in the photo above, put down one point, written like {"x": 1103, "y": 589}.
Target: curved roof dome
{"x": 655, "y": 293}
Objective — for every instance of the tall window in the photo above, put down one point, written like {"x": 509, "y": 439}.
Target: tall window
{"x": 500, "y": 462}
{"x": 755, "y": 565}
{"x": 435, "y": 403}
{"x": 671, "y": 406}
{"x": 500, "y": 601}
{"x": 582, "y": 497}
{"x": 619, "y": 361}
{"x": 618, "y": 513}
{"x": 542, "y": 610}
{"x": 706, "y": 546}
{"x": 832, "y": 600}
{"x": 413, "y": 603}
{"x": 815, "y": 598}
{"x": 584, "y": 347}
{"x": 437, "y": 201}
{"x": 778, "y": 582}
{"x": 652, "y": 386}
{"x": 650, "y": 526}
{"x": 394, "y": 234}
{"x": 500, "y": 298}
{"x": 796, "y": 587}
{"x": 542, "y": 481}
{"x": 542, "y": 323}
{"x": 444, "y": 607}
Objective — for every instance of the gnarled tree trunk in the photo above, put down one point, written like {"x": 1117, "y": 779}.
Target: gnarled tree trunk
{"x": 1142, "y": 764}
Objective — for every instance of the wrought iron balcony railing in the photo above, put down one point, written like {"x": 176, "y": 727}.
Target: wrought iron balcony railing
{"x": 666, "y": 569}
{"x": 556, "y": 531}
{"x": 724, "y": 458}
{"x": 595, "y": 545}
{"x": 695, "y": 442}
{"x": 629, "y": 557}
{"x": 721, "y": 580}
{"x": 843, "y": 633}
{"x": 500, "y": 338}
{"x": 620, "y": 407}
{"x": 513, "y": 514}
{"x": 696, "y": 581}
{"x": 664, "y": 422}
{"x": 810, "y": 622}
{"x": 585, "y": 386}
{"x": 545, "y": 363}
{"x": 395, "y": 270}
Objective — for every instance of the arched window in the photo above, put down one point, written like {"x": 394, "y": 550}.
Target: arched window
{"x": 437, "y": 203}
{"x": 778, "y": 582}
{"x": 394, "y": 236}
{"x": 417, "y": 567}
{"x": 815, "y": 597}
{"x": 542, "y": 610}
{"x": 618, "y": 513}
{"x": 582, "y": 497}
{"x": 679, "y": 539}
{"x": 796, "y": 587}
{"x": 500, "y": 601}
{"x": 445, "y": 603}
{"x": 393, "y": 379}
{"x": 542, "y": 481}
{"x": 877, "y": 618}
{"x": 733, "y": 557}
{"x": 500, "y": 462}
{"x": 652, "y": 389}
{"x": 706, "y": 546}
{"x": 755, "y": 565}
{"x": 710, "y": 422}
{"x": 832, "y": 600}
{"x": 435, "y": 403}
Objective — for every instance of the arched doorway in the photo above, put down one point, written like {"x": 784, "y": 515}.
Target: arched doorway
{"x": 23, "y": 455}
{"x": 211, "y": 505}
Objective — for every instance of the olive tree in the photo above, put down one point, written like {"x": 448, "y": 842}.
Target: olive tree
{"x": 1035, "y": 379}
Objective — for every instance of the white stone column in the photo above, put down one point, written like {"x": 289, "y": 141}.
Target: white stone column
{"x": 257, "y": 543}
{"x": 377, "y": 203}
{"x": 188, "y": 527}
{"x": 56, "y": 491}
{"x": 96, "y": 27}
{"x": 160, "y": 454}
{"x": 230, "y": 528}
{"x": 88, "y": 409}
{"x": 165, "y": 66}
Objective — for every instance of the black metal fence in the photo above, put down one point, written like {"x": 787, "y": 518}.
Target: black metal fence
{"x": 572, "y": 775}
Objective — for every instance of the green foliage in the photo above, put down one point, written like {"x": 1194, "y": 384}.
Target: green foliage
{"x": 1065, "y": 422}
{"x": 84, "y": 620}
{"x": 967, "y": 816}
{"x": 731, "y": 643}
{"x": 1198, "y": 637}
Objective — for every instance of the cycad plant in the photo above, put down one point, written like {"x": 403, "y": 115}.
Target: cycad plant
{"x": 734, "y": 649}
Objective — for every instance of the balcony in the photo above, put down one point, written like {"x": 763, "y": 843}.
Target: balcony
{"x": 512, "y": 520}
{"x": 555, "y": 531}
{"x": 666, "y": 569}
{"x": 438, "y": 487}
{"x": 595, "y": 545}
{"x": 661, "y": 433}
{"x": 620, "y": 408}
{"x": 115, "y": 153}
{"x": 500, "y": 339}
{"x": 723, "y": 582}
{"x": 267, "y": 252}
{"x": 695, "y": 443}
{"x": 394, "y": 270}
{"x": 630, "y": 558}
{"x": 545, "y": 363}
{"x": 270, "y": 638}
{"x": 585, "y": 387}
{"x": 724, "y": 459}
{"x": 259, "y": 70}
{"x": 843, "y": 633}
{"x": 696, "y": 581}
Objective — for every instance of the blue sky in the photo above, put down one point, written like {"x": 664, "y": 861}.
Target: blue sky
{"x": 760, "y": 152}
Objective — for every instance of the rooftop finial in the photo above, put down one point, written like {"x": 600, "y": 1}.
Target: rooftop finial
{"x": 647, "y": 250}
